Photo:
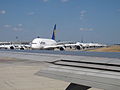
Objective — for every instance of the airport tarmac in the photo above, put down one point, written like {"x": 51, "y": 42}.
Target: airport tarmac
{"x": 18, "y": 74}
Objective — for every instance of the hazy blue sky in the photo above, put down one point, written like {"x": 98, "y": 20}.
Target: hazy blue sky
{"x": 92, "y": 20}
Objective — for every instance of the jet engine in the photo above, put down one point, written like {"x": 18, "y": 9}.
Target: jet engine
{"x": 78, "y": 47}
{"x": 11, "y": 47}
{"x": 62, "y": 48}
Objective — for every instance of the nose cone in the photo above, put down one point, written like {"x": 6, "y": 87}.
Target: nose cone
{"x": 35, "y": 44}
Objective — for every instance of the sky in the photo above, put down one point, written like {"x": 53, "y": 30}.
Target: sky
{"x": 76, "y": 20}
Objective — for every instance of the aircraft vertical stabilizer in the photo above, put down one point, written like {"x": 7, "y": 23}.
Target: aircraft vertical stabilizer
{"x": 54, "y": 30}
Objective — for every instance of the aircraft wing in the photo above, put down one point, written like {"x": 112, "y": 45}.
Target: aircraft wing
{"x": 86, "y": 71}
{"x": 48, "y": 47}
{"x": 71, "y": 45}
{"x": 63, "y": 46}
{"x": 53, "y": 46}
{"x": 103, "y": 73}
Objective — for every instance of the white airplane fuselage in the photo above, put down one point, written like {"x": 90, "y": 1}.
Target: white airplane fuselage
{"x": 42, "y": 43}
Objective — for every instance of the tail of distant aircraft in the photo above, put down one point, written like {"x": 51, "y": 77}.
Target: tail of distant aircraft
{"x": 54, "y": 30}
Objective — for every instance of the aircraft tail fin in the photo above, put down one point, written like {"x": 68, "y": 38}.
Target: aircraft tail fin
{"x": 54, "y": 30}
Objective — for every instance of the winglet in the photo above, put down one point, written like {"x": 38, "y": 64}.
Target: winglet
{"x": 54, "y": 30}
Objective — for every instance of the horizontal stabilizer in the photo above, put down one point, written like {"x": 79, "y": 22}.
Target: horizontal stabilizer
{"x": 101, "y": 74}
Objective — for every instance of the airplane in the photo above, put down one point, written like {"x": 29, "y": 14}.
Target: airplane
{"x": 10, "y": 45}
{"x": 79, "y": 45}
{"x": 91, "y": 45}
{"x": 6, "y": 45}
{"x": 51, "y": 44}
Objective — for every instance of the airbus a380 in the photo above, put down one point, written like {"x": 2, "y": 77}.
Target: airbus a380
{"x": 51, "y": 44}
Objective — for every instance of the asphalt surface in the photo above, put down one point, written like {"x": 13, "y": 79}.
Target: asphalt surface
{"x": 16, "y": 74}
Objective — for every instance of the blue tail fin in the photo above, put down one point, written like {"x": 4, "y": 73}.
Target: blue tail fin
{"x": 54, "y": 30}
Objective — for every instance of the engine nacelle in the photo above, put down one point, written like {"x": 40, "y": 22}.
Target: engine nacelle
{"x": 78, "y": 47}
{"x": 22, "y": 48}
{"x": 11, "y": 47}
{"x": 62, "y": 48}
